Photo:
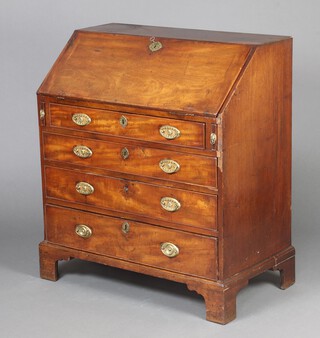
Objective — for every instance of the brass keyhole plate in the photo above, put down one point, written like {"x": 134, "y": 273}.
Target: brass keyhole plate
{"x": 123, "y": 121}
{"x": 125, "y": 227}
{"x": 124, "y": 153}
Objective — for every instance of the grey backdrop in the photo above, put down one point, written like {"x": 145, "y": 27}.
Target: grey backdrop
{"x": 95, "y": 301}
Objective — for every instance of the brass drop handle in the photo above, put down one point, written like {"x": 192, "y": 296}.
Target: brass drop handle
{"x": 83, "y": 231}
{"x": 169, "y": 132}
{"x": 170, "y": 204}
{"x": 169, "y": 249}
{"x": 82, "y": 151}
{"x": 169, "y": 166}
{"x": 84, "y": 188}
{"x": 81, "y": 119}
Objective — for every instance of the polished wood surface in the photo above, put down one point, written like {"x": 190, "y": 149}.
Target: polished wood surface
{"x": 220, "y": 297}
{"x": 141, "y": 244}
{"x": 235, "y": 192}
{"x": 123, "y": 70}
{"x": 141, "y": 161}
{"x": 186, "y": 34}
{"x": 139, "y": 127}
{"x": 197, "y": 210}
{"x": 257, "y": 195}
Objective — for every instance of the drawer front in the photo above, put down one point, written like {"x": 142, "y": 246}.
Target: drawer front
{"x": 162, "y": 164}
{"x": 141, "y": 127}
{"x": 133, "y": 241}
{"x": 172, "y": 205}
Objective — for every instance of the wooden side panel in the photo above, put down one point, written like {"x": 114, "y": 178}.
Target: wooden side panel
{"x": 141, "y": 244}
{"x": 131, "y": 197}
{"x": 184, "y": 75}
{"x": 256, "y": 158}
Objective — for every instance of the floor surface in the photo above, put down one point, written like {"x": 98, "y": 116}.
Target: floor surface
{"x": 91, "y": 300}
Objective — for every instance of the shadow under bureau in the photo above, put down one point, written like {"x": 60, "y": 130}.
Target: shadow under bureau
{"x": 168, "y": 152}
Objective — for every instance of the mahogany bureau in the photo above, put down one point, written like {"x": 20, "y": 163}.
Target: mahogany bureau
{"x": 168, "y": 152}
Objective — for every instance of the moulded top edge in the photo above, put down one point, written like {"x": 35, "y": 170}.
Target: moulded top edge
{"x": 186, "y": 34}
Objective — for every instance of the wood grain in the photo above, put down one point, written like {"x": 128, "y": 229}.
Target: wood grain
{"x": 142, "y": 161}
{"x": 140, "y": 127}
{"x": 135, "y": 198}
{"x": 235, "y": 216}
{"x": 220, "y": 296}
{"x": 141, "y": 244}
{"x": 121, "y": 69}
{"x": 256, "y": 199}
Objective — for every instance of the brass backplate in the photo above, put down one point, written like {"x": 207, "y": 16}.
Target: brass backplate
{"x": 169, "y": 249}
{"x": 169, "y": 166}
{"x": 169, "y": 132}
{"x": 81, "y": 119}
{"x": 83, "y": 231}
{"x": 170, "y": 204}
{"x": 84, "y": 188}
{"x": 82, "y": 151}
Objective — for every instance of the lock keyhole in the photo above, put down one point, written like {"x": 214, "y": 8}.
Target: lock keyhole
{"x": 123, "y": 121}
{"x": 125, "y": 227}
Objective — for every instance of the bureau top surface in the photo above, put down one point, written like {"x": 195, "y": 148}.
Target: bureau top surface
{"x": 193, "y": 71}
{"x": 186, "y": 34}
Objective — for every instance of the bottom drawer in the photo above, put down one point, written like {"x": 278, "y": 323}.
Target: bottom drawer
{"x": 133, "y": 241}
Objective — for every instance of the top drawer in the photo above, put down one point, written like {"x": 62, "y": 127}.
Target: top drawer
{"x": 141, "y": 127}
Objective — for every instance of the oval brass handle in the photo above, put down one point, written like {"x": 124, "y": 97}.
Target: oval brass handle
{"x": 169, "y": 249}
{"x": 124, "y": 153}
{"x": 84, "y": 188}
{"x": 82, "y": 151}
{"x": 170, "y": 204}
{"x": 169, "y": 132}
{"x": 83, "y": 231}
{"x": 81, "y": 119}
{"x": 169, "y": 166}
